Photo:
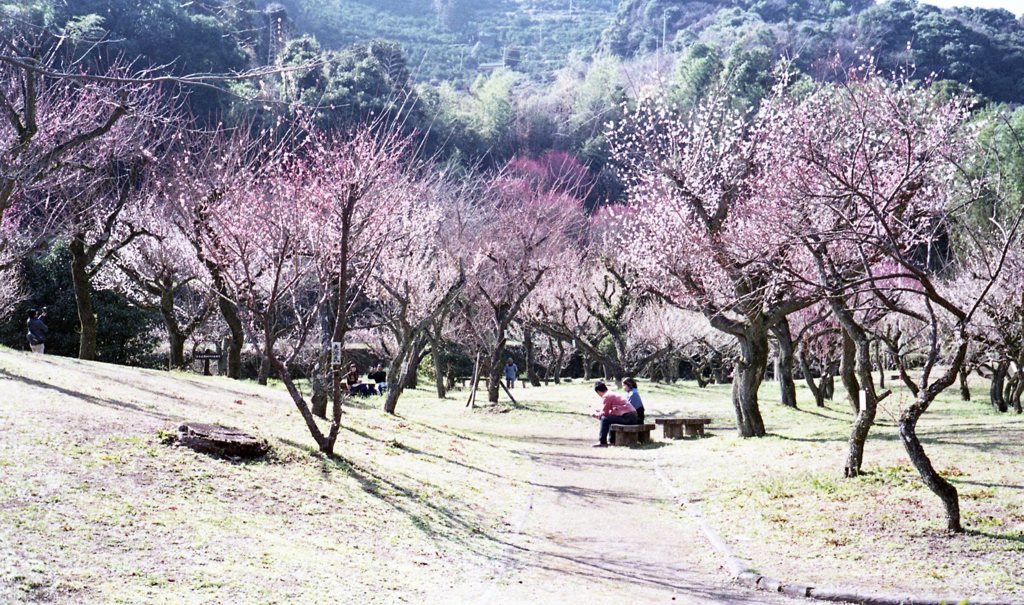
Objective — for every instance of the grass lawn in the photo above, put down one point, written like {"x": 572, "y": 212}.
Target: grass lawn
{"x": 782, "y": 503}
{"x": 420, "y": 507}
{"x": 93, "y": 508}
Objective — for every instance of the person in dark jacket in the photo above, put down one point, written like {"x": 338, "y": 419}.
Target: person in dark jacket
{"x": 36, "y": 330}
{"x": 511, "y": 373}
{"x": 380, "y": 378}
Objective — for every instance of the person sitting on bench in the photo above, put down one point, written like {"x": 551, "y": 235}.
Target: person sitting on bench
{"x": 633, "y": 397}
{"x": 380, "y": 378}
{"x": 614, "y": 410}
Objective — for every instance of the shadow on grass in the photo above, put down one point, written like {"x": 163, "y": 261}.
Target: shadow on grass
{"x": 1015, "y": 538}
{"x": 654, "y": 445}
{"x": 92, "y": 399}
{"x": 429, "y": 427}
{"x": 984, "y": 484}
{"x": 503, "y": 406}
{"x": 445, "y": 519}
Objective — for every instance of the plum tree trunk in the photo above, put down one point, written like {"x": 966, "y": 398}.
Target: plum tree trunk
{"x": 531, "y": 370}
{"x": 1017, "y": 392}
{"x": 264, "y": 372}
{"x": 856, "y": 372}
{"x": 828, "y": 384}
{"x": 701, "y": 373}
{"x": 784, "y": 365}
{"x": 494, "y": 369}
{"x": 412, "y": 378}
{"x": 996, "y": 388}
{"x": 848, "y": 371}
{"x": 880, "y": 364}
{"x": 935, "y": 482}
{"x": 319, "y": 388}
{"x": 404, "y": 363}
{"x": 175, "y": 335}
{"x": 750, "y": 368}
{"x": 965, "y": 389}
{"x": 559, "y": 360}
{"x": 440, "y": 361}
{"x": 229, "y": 312}
{"x": 817, "y": 389}
{"x": 87, "y": 323}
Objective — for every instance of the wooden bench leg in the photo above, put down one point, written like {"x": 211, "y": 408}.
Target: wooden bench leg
{"x": 694, "y": 430}
{"x": 645, "y": 437}
{"x": 625, "y": 439}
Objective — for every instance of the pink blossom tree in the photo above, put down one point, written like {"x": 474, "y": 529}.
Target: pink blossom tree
{"x": 104, "y": 200}
{"x": 594, "y": 303}
{"x": 350, "y": 178}
{"x": 1000, "y": 332}
{"x": 204, "y": 171}
{"x": 295, "y": 234}
{"x": 875, "y": 202}
{"x": 160, "y": 272}
{"x": 419, "y": 273}
{"x": 698, "y": 235}
{"x": 49, "y": 128}
{"x": 520, "y": 235}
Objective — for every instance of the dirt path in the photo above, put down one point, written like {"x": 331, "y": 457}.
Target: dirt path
{"x": 598, "y": 527}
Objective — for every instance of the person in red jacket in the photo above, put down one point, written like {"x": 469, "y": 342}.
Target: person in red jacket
{"x": 614, "y": 410}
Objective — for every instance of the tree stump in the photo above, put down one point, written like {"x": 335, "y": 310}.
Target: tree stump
{"x": 221, "y": 441}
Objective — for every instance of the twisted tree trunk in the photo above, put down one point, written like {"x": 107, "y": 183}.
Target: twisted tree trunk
{"x": 942, "y": 488}
{"x": 88, "y": 328}
{"x": 817, "y": 390}
{"x": 749, "y": 372}
{"x": 848, "y": 371}
{"x": 996, "y": 388}
{"x": 784, "y": 373}
{"x": 965, "y": 389}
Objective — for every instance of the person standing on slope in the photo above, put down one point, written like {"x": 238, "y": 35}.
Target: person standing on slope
{"x": 36, "y": 330}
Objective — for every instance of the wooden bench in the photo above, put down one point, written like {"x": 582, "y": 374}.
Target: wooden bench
{"x": 677, "y": 428}
{"x": 631, "y": 434}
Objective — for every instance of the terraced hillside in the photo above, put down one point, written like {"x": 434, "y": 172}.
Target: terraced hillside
{"x": 457, "y": 39}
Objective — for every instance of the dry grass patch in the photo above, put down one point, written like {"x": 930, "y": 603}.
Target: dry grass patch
{"x": 782, "y": 502}
{"x": 95, "y": 508}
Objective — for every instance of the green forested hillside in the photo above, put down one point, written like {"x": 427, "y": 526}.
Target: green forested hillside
{"x": 983, "y": 48}
{"x": 451, "y": 39}
{"x": 455, "y": 40}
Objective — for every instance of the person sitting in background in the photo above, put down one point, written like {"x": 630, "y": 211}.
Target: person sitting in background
{"x": 36, "y": 330}
{"x": 380, "y": 377}
{"x": 614, "y": 410}
{"x": 633, "y": 397}
{"x": 356, "y": 386}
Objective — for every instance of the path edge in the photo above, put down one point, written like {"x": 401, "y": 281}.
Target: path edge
{"x": 742, "y": 574}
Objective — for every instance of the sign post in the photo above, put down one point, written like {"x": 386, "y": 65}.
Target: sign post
{"x": 336, "y": 354}
{"x": 206, "y": 357}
